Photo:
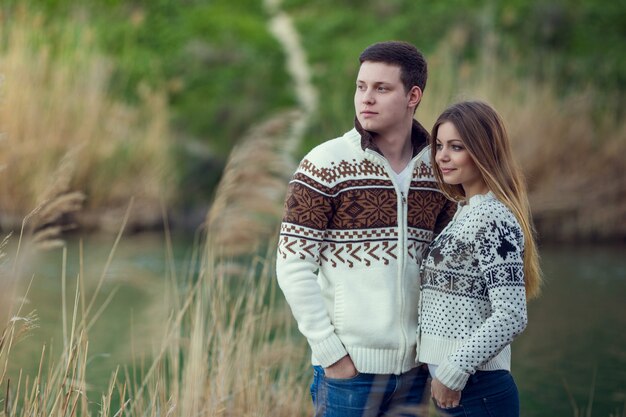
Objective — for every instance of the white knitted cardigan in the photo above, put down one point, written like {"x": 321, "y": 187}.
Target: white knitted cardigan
{"x": 350, "y": 247}
{"x": 473, "y": 301}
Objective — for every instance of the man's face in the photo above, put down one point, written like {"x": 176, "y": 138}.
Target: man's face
{"x": 381, "y": 103}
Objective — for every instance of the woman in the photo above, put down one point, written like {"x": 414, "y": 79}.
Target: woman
{"x": 481, "y": 268}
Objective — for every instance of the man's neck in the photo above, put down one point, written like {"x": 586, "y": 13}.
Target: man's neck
{"x": 396, "y": 147}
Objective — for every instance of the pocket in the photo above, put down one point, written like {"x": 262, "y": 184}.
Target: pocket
{"x": 340, "y": 380}
{"x": 504, "y": 403}
{"x": 350, "y": 396}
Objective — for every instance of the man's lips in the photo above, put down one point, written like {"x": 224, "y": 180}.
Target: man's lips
{"x": 368, "y": 113}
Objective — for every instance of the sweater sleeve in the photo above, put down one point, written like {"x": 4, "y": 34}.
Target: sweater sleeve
{"x": 499, "y": 253}
{"x": 308, "y": 210}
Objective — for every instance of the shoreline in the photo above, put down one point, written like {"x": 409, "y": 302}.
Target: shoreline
{"x": 552, "y": 226}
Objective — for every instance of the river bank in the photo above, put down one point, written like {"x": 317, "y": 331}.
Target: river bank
{"x": 572, "y": 218}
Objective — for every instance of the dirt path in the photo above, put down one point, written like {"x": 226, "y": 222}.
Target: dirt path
{"x": 283, "y": 29}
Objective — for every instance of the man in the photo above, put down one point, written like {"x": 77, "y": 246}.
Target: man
{"x": 360, "y": 211}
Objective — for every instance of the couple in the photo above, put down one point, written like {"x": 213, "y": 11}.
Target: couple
{"x": 395, "y": 268}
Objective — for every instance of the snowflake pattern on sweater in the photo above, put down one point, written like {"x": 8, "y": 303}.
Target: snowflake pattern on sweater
{"x": 473, "y": 300}
{"x": 351, "y": 242}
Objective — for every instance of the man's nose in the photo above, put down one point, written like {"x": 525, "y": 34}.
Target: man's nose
{"x": 368, "y": 97}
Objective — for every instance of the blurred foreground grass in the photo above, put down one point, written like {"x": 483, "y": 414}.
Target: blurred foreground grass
{"x": 225, "y": 347}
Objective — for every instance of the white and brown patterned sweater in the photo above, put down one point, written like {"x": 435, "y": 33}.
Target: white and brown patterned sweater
{"x": 473, "y": 301}
{"x": 351, "y": 242}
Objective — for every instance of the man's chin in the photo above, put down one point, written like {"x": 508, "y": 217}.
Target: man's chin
{"x": 368, "y": 125}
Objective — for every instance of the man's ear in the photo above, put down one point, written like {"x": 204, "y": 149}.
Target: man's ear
{"x": 415, "y": 96}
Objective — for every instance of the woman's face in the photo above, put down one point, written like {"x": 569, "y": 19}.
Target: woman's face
{"x": 455, "y": 162}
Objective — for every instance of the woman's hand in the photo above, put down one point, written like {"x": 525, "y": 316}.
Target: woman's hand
{"x": 342, "y": 369}
{"x": 444, "y": 396}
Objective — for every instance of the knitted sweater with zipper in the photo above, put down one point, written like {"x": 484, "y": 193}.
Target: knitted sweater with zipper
{"x": 473, "y": 301}
{"x": 350, "y": 246}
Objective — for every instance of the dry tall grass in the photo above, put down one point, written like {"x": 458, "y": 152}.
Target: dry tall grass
{"x": 60, "y": 386}
{"x": 249, "y": 198}
{"x": 227, "y": 349}
{"x": 571, "y": 152}
{"x": 237, "y": 356}
{"x": 55, "y": 106}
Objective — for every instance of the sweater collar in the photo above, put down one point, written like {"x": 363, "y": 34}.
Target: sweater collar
{"x": 419, "y": 137}
{"x": 479, "y": 198}
{"x": 466, "y": 206}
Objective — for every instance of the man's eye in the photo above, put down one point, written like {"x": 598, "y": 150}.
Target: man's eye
{"x": 383, "y": 89}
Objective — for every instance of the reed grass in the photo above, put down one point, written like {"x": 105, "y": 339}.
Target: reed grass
{"x": 255, "y": 368}
{"x": 57, "y": 114}
{"x": 227, "y": 348}
{"x": 249, "y": 198}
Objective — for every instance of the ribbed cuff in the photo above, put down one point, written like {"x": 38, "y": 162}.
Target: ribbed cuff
{"x": 329, "y": 351}
{"x": 451, "y": 376}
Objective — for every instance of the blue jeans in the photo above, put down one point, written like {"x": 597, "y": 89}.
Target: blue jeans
{"x": 368, "y": 395}
{"x": 487, "y": 394}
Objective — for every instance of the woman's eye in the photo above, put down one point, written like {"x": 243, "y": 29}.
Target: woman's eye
{"x": 439, "y": 146}
{"x": 457, "y": 148}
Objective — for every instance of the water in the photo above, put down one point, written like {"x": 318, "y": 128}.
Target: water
{"x": 129, "y": 327}
{"x": 573, "y": 352}
{"x": 575, "y": 343}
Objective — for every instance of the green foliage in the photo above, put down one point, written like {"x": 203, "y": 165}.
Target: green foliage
{"x": 573, "y": 43}
{"x": 224, "y": 71}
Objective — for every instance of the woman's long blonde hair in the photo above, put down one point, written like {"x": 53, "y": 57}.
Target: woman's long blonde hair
{"x": 484, "y": 135}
